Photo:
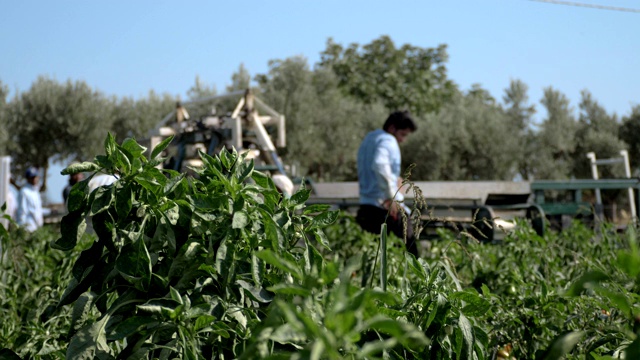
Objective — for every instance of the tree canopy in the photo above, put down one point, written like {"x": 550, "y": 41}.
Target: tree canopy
{"x": 405, "y": 77}
{"x": 330, "y": 106}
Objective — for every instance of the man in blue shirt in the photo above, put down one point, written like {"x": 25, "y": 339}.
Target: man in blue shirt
{"x": 379, "y": 163}
{"x": 29, "y": 213}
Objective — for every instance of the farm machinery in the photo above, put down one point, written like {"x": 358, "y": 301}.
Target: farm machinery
{"x": 486, "y": 209}
{"x": 259, "y": 135}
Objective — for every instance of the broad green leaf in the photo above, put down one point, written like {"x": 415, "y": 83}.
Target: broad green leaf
{"x": 187, "y": 257}
{"x": 481, "y": 336}
{"x": 102, "y": 199}
{"x": 467, "y": 336}
{"x": 133, "y": 147}
{"x": 124, "y": 159}
{"x": 587, "y": 281}
{"x": 415, "y": 266}
{"x": 562, "y": 345}
{"x": 240, "y": 220}
{"x": 204, "y": 321}
{"x": 452, "y": 274}
{"x": 372, "y": 349}
{"x": 173, "y": 183}
{"x": 633, "y": 350}
{"x": 103, "y": 162}
{"x": 313, "y": 260}
{"x": 130, "y": 326}
{"x": 298, "y": 320}
{"x": 595, "y": 356}
{"x": 290, "y": 289}
{"x": 87, "y": 259}
{"x": 273, "y": 233}
{"x": 228, "y": 158}
{"x": 175, "y": 295}
{"x": 262, "y": 180}
{"x": 78, "y": 168}
{"x": 618, "y": 299}
{"x": 316, "y": 208}
{"x": 629, "y": 262}
{"x": 152, "y": 179}
{"x": 158, "y": 149}
{"x": 285, "y": 265}
{"x": 325, "y": 219}
{"x": 385, "y": 297}
{"x": 164, "y": 307}
{"x": 285, "y": 334}
{"x": 89, "y": 340}
{"x": 237, "y": 314}
{"x": 4, "y": 234}
{"x": 172, "y": 212}
{"x": 438, "y": 314}
{"x": 225, "y": 258}
{"x": 322, "y": 238}
{"x": 110, "y": 145}
{"x": 257, "y": 269}
{"x": 474, "y": 305}
{"x": 81, "y": 307}
{"x": 330, "y": 272}
{"x": 485, "y": 290}
{"x": 256, "y": 293}
{"x": 165, "y": 237}
{"x": 300, "y": 196}
{"x": 245, "y": 170}
{"x": 219, "y": 328}
{"x": 458, "y": 343}
{"x": 317, "y": 350}
{"x": 134, "y": 264}
{"x": 72, "y": 228}
{"x": 124, "y": 201}
{"x": 407, "y": 334}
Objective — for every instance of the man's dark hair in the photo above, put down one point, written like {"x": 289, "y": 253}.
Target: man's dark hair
{"x": 400, "y": 120}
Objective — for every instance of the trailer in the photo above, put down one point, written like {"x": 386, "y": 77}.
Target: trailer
{"x": 486, "y": 210}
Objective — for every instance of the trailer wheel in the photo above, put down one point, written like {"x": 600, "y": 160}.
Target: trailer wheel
{"x": 536, "y": 216}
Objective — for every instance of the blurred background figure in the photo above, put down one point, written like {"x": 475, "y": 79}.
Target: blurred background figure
{"x": 29, "y": 214}
{"x": 73, "y": 179}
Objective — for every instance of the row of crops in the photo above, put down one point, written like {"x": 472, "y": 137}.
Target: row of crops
{"x": 223, "y": 267}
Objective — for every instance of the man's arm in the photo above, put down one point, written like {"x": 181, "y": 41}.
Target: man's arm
{"x": 387, "y": 181}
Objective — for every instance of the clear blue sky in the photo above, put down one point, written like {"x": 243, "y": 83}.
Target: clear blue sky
{"x": 127, "y": 48}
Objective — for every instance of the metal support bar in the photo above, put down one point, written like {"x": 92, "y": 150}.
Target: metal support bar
{"x": 594, "y": 172}
{"x": 5, "y": 177}
{"x": 608, "y": 161}
{"x": 627, "y": 170}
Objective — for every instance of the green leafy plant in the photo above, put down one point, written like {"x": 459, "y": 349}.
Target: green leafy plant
{"x": 205, "y": 267}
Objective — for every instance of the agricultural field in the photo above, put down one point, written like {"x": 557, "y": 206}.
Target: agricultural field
{"x": 224, "y": 267}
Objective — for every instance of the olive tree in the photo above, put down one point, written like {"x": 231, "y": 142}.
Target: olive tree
{"x": 405, "y": 77}
{"x": 54, "y": 120}
{"x": 556, "y": 138}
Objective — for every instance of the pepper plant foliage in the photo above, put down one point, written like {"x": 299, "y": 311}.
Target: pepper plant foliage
{"x": 187, "y": 267}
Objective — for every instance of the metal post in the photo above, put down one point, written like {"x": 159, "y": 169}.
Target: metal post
{"x": 5, "y": 174}
{"x": 594, "y": 172}
{"x": 627, "y": 170}
{"x": 5, "y": 177}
